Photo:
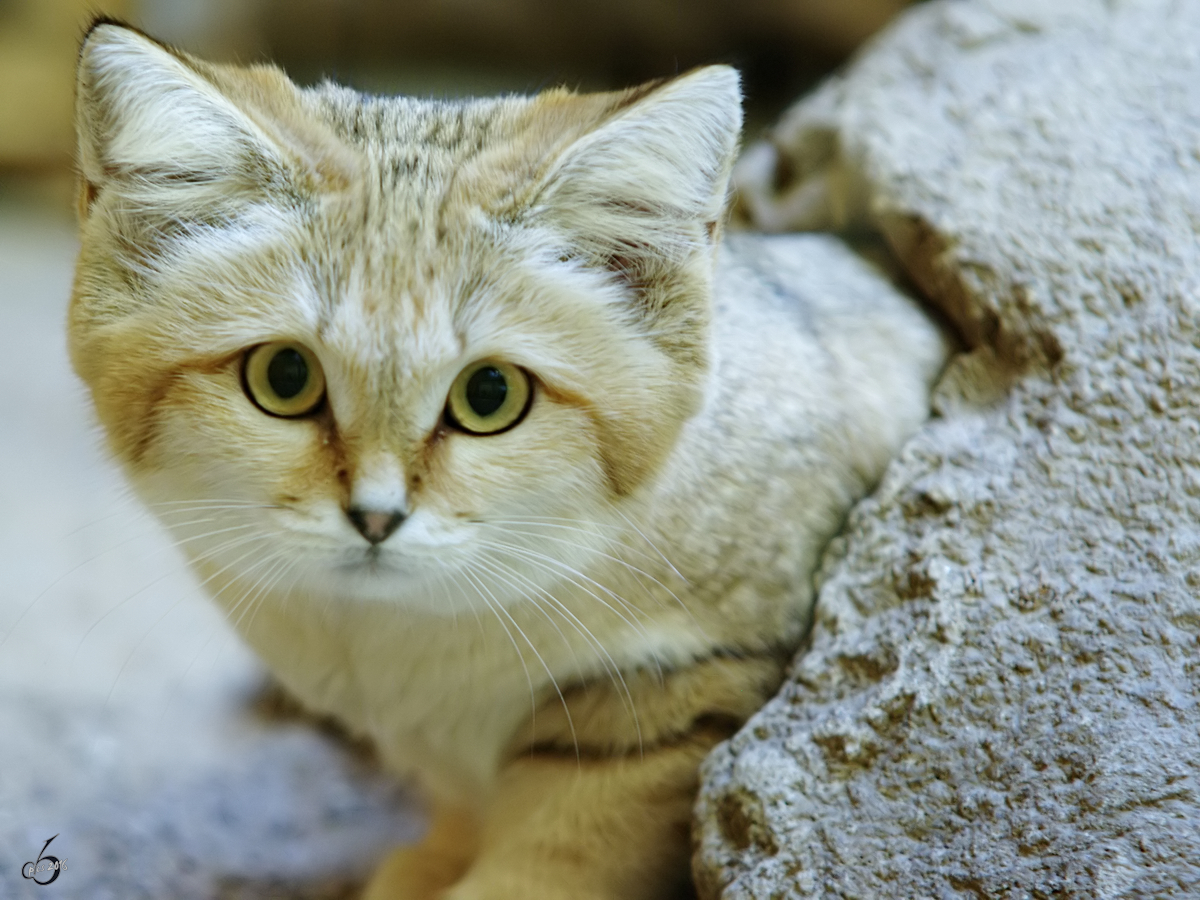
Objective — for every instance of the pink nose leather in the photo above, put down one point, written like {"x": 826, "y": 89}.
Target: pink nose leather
{"x": 375, "y": 525}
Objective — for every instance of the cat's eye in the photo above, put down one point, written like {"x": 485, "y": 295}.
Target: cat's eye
{"x": 488, "y": 397}
{"x": 284, "y": 378}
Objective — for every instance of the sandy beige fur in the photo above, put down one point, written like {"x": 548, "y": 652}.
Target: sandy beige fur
{"x": 574, "y": 610}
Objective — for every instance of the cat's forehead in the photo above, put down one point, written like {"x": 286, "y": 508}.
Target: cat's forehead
{"x": 432, "y": 162}
{"x": 414, "y": 129}
{"x": 402, "y": 323}
{"x": 392, "y": 276}
{"x": 418, "y": 249}
{"x": 418, "y": 156}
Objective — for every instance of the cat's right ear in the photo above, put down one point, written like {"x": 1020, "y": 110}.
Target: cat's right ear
{"x": 152, "y": 120}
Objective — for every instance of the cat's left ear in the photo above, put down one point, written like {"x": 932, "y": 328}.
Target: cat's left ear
{"x": 652, "y": 177}
{"x": 187, "y": 137}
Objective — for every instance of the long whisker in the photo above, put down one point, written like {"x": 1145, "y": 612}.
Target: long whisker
{"x": 278, "y": 564}
{"x": 207, "y": 501}
{"x": 168, "y": 611}
{"x": 287, "y": 565}
{"x": 91, "y": 559}
{"x": 139, "y": 514}
{"x": 652, "y": 545}
{"x": 610, "y": 665}
{"x": 225, "y": 546}
{"x": 610, "y": 541}
{"x": 499, "y": 609}
{"x": 196, "y": 656}
{"x": 521, "y": 656}
{"x": 616, "y": 559}
{"x": 620, "y": 530}
{"x": 297, "y": 570}
{"x": 575, "y": 576}
{"x": 444, "y": 582}
{"x": 494, "y": 567}
{"x": 494, "y": 605}
{"x": 637, "y": 573}
{"x": 220, "y": 548}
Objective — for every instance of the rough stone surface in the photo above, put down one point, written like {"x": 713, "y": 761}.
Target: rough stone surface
{"x": 999, "y": 696}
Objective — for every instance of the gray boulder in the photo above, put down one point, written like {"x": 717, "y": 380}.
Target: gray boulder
{"x": 999, "y": 695}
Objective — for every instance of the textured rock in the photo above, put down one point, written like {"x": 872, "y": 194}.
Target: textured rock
{"x": 999, "y": 696}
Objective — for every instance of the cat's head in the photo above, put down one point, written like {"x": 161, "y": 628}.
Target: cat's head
{"x": 376, "y": 341}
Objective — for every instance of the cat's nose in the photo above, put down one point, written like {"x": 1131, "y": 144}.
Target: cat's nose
{"x": 374, "y": 524}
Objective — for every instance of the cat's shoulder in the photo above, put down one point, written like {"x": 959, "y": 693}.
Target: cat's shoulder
{"x": 823, "y": 288}
{"x": 819, "y": 270}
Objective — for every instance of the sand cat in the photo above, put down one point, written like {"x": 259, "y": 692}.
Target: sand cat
{"x": 517, "y": 467}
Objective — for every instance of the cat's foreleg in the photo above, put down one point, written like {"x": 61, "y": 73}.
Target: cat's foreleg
{"x": 424, "y": 870}
{"x": 562, "y": 828}
{"x": 595, "y": 803}
{"x": 592, "y": 828}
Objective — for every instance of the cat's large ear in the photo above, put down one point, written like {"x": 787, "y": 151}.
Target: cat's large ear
{"x": 651, "y": 179}
{"x": 150, "y": 119}
{"x": 642, "y": 195}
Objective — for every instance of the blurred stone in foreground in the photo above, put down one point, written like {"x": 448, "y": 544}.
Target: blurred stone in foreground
{"x": 1000, "y": 694}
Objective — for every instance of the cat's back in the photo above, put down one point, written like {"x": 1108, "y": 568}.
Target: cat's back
{"x": 820, "y": 338}
{"x": 821, "y": 369}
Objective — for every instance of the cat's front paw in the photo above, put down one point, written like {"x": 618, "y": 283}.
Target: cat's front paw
{"x": 478, "y": 889}
{"x": 413, "y": 873}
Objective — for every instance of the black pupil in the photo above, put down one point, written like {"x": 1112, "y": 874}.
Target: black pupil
{"x": 486, "y": 390}
{"x": 287, "y": 373}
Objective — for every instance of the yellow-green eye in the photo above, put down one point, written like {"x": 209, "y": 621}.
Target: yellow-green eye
{"x": 488, "y": 397}
{"x": 283, "y": 378}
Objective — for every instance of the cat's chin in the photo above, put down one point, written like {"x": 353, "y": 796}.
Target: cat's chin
{"x": 376, "y": 578}
{"x": 371, "y": 569}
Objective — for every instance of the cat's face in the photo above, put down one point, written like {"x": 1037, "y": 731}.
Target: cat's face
{"x": 389, "y": 349}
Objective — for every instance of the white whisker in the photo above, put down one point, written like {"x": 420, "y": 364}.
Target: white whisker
{"x": 611, "y": 669}
{"x": 652, "y": 545}
{"x": 499, "y": 610}
{"x": 196, "y": 656}
{"x": 224, "y": 546}
{"x": 168, "y": 611}
{"x": 574, "y": 576}
{"x": 616, "y": 559}
{"x": 479, "y": 589}
{"x": 609, "y": 541}
{"x": 494, "y": 567}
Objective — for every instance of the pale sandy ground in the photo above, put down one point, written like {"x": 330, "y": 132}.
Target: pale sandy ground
{"x": 127, "y": 723}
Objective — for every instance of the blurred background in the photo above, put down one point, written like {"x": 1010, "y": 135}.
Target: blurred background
{"x": 440, "y": 47}
{"x": 133, "y": 724}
